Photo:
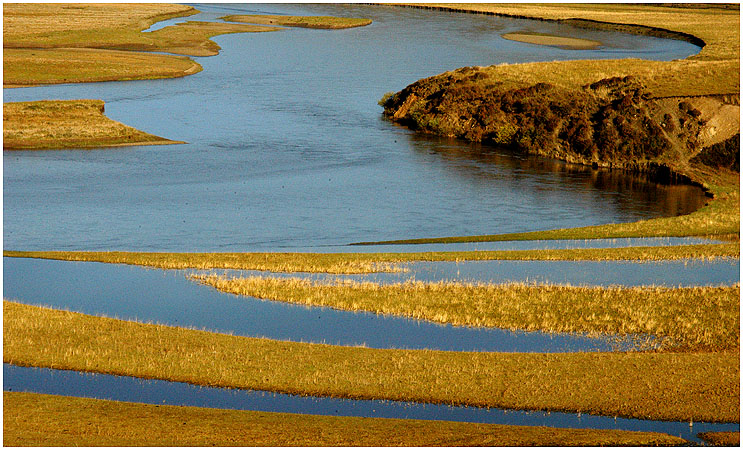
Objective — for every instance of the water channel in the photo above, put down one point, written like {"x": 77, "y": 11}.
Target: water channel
{"x": 287, "y": 150}
{"x": 158, "y": 392}
{"x": 168, "y": 297}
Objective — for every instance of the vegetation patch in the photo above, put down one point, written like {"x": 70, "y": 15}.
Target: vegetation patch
{"x": 721, "y": 438}
{"x": 659, "y": 386}
{"x": 58, "y": 43}
{"x": 322, "y": 22}
{"x": 568, "y": 43}
{"x": 696, "y": 318}
{"x": 378, "y": 262}
{"x": 50, "y": 420}
{"x": 604, "y": 112}
{"x": 61, "y": 124}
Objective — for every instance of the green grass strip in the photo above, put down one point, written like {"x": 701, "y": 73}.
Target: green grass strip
{"x": 660, "y": 386}
{"x": 50, "y": 420}
{"x": 377, "y": 262}
{"x": 698, "y": 318}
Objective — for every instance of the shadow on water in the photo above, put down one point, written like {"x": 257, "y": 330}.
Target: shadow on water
{"x": 158, "y": 392}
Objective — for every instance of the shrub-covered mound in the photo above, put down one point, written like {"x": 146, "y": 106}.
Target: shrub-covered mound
{"x": 612, "y": 123}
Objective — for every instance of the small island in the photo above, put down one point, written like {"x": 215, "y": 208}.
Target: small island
{"x": 566, "y": 43}
{"x": 320, "y": 22}
{"x": 57, "y": 124}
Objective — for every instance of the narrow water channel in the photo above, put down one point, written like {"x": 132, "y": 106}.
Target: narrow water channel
{"x": 168, "y": 297}
{"x": 158, "y": 392}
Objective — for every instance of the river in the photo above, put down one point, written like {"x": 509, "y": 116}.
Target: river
{"x": 287, "y": 147}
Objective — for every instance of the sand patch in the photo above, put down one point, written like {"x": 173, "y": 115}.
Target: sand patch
{"x": 554, "y": 41}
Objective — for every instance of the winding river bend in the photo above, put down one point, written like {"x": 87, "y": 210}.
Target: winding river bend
{"x": 287, "y": 147}
{"x": 287, "y": 150}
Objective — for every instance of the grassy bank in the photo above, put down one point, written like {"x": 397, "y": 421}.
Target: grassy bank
{"x": 665, "y": 386}
{"x": 59, "y": 43}
{"x": 698, "y": 318}
{"x": 461, "y": 103}
{"x": 320, "y": 22}
{"x": 67, "y": 124}
{"x": 50, "y": 420}
{"x": 377, "y": 262}
{"x": 721, "y": 438}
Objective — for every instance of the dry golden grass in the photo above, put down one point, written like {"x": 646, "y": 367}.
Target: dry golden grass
{"x": 28, "y": 67}
{"x": 22, "y": 22}
{"x": 50, "y": 420}
{"x": 321, "y": 22}
{"x": 661, "y": 386}
{"x": 697, "y": 318}
{"x": 72, "y": 43}
{"x": 721, "y": 438}
{"x": 67, "y": 124}
{"x": 378, "y": 262}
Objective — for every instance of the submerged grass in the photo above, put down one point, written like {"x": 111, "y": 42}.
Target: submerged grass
{"x": 321, "y": 22}
{"x": 67, "y": 124}
{"x": 51, "y": 420}
{"x": 696, "y": 318}
{"x": 660, "y": 386}
{"x": 377, "y": 262}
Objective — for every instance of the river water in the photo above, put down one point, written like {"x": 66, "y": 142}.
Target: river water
{"x": 287, "y": 147}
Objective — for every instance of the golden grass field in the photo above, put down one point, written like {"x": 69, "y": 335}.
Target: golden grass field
{"x": 47, "y": 43}
{"x": 69, "y": 421}
{"x": 67, "y": 124}
{"x": 679, "y": 386}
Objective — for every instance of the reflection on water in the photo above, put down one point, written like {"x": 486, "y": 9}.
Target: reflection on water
{"x": 287, "y": 148}
{"x": 63, "y": 382}
{"x": 638, "y": 195}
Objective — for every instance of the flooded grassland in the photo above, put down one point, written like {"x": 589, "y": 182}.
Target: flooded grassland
{"x": 693, "y": 376}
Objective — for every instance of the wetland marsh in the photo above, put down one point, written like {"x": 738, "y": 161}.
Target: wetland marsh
{"x": 289, "y": 121}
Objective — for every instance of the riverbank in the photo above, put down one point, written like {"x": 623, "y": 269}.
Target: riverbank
{"x": 51, "y": 420}
{"x": 58, "y": 124}
{"x": 661, "y": 385}
{"x": 516, "y": 105}
{"x": 56, "y": 43}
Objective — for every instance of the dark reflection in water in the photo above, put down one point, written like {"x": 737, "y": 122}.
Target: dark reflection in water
{"x": 633, "y": 194}
{"x": 63, "y": 382}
